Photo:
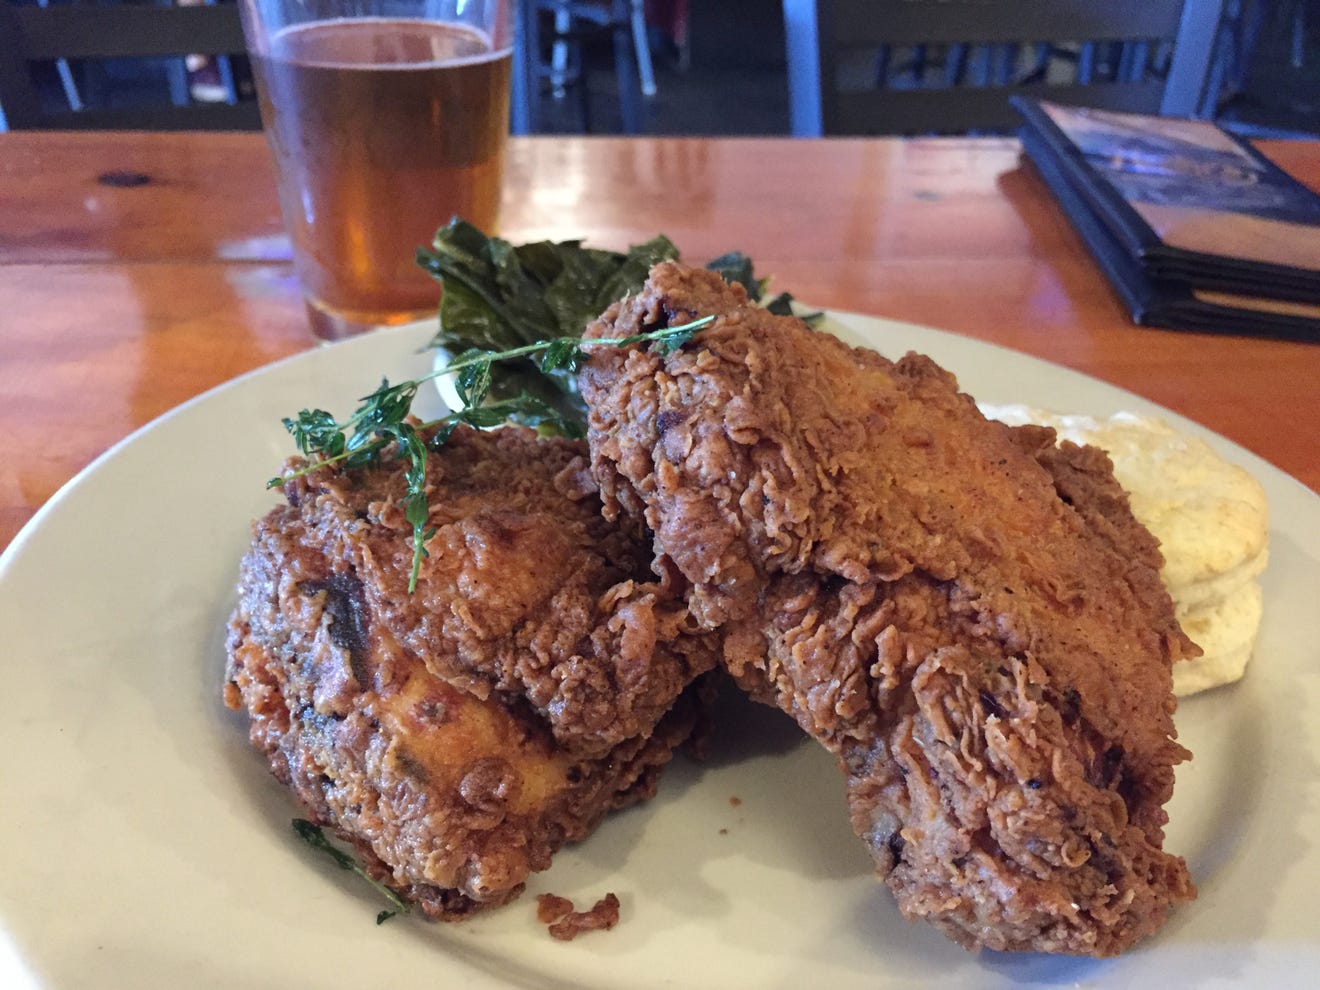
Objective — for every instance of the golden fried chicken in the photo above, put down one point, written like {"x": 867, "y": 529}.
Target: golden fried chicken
{"x": 970, "y": 619}
{"x": 457, "y": 736}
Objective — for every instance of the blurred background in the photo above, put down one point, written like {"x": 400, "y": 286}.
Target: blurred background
{"x": 721, "y": 68}
{"x": 712, "y": 68}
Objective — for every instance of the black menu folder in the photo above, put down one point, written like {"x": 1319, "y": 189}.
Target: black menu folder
{"x": 1171, "y": 304}
{"x": 1195, "y": 229}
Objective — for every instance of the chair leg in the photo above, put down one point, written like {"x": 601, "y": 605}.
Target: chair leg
{"x": 584, "y": 103}
{"x": 882, "y": 66}
{"x": 1136, "y": 56}
{"x": 1041, "y": 54}
{"x": 643, "y": 45}
{"x": 69, "y": 86}
{"x": 625, "y": 71}
{"x": 176, "y": 72}
{"x": 66, "y": 75}
{"x": 225, "y": 67}
{"x": 980, "y": 66}
{"x": 955, "y": 67}
{"x": 559, "y": 52}
{"x": 682, "y": 35}
{"x": 1086, "y": 63}
{"x": 919, "y": 61}
{"x": 1003, "y": 59}
{"x": 1298, "y": 46}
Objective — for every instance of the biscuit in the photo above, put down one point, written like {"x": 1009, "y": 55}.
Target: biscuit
{"x": 1226, "y": 631}
{"x": 1204, "y": 593}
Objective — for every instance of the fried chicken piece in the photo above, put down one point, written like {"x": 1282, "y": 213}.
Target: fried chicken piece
{"x": 971, "y": 620}
{"x": 457, "y": 736}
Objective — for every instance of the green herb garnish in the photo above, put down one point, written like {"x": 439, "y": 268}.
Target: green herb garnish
{"x": 381, "y": 420}
{"x": 312, "y": 834}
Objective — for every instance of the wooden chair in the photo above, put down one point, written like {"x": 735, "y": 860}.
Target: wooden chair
{"x": 949, "y": 66}
{"x": 31, "y": 35}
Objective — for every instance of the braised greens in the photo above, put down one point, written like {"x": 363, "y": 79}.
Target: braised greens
{"x": 498, "y": 296}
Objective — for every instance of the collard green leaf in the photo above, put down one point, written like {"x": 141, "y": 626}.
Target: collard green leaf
{"x": 543, "y": 260}
{"x": 498, "y": 296}
{"x": 461, "y": 256}
{"x": 521, "y": 292}
{"x": 736, "y": 269}
{"x": 631, "y": 273}
{"x": 572, "y": 295}
{"x": 463, "y": 243}
{"x": 467, "y": 320}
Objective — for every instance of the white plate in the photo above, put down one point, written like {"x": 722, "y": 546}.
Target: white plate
{"x": 145, "y": 844}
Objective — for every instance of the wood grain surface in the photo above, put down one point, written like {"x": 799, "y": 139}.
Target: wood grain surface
{"x": 139, "y": 270}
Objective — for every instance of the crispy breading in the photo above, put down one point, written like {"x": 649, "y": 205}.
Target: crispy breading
{"x": 459, "y": 735}
{"x": 968, "y": 617}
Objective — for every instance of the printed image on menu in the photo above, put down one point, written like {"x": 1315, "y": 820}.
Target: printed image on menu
{"x": 1196, "y": 186}
{"x": 1183, "y": 163}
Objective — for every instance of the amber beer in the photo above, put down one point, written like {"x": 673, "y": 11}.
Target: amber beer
{"x": 382, "y": 130}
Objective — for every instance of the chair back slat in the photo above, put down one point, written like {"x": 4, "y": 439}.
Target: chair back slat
{"x": 912, "y": 22}
{"x": 84, "y": 31}
{"x": 957, "y": 111}
{"x": 191, "y": 117}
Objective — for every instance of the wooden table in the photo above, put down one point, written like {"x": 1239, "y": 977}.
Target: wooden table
{"x": 120, "y": 298}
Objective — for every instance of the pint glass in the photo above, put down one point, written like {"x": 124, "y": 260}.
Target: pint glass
{"x": 386, "y": 118}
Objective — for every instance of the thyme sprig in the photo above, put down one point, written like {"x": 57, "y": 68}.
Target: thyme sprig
{"x": 312, "y": 834}
{"x": 382, "y": 419}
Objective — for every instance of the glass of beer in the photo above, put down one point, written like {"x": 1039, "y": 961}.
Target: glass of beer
{"x": 386, "y": 119}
